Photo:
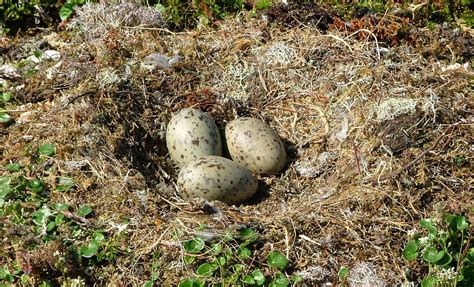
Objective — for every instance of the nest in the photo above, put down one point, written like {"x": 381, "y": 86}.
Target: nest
{"x": 371, "y": 131}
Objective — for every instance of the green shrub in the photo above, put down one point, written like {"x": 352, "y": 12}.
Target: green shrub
{"x": 446, "y": 245}
{"x": 232, "y": 259}
{"x": 26, "y": 14}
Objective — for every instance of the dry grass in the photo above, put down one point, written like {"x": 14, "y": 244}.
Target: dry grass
{"x": 351, "y": 115}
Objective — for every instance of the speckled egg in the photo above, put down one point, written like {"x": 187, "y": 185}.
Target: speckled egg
{"x": 255, "y": 145}
{"x": 191, "y": 134}
{"x": 216, "y": 178}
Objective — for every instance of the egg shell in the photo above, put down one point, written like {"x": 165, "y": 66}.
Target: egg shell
{"x": 255, "y": 145}
{"x": 191, "y": 134}
{"x": 216, "y": 178}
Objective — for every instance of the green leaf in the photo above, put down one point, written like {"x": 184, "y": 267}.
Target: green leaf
{"x": 66, "y": 11}
{"x": 343, "y": 272}
{"x": 432, "y": 254}
{"x": 410, "y": 250}
{"x": 61, "y": 206}
{"x": 148, "y": 283}
{"x": 428, "y": 225}
{"x": 155, "y": 276}
{"x": 276, "y": 259}
{"x": 470, "y": 255}
{"x": 36, "y": 185}
{"x": 3, "y": 273}
{"x": 4, "y": 118}
{"x": 99, "y": 236}
{"x": 46, "y": 149}
{"x": 258, "y": 277}
{"x": 191, "y": 283}
{"x": 228, "y": 237}
{"x": 429, "y": 281}
{"x": 188, "y": 259}
{"x": 280, "y": 281}
{"x": 38, "y": 54}
{"x": 59, "y": 218}
{"x": 84, "y": 210}
{"x": 244, "y": 252}
{"x": 24, "y": 278}
{"x": 6, "y": 96}
{"x": 205, "y": 269}
{"x": 216, "y": 248}
{"x": 230, "y": 280}
{"x": 38, "y": 217}
{"x": 248, "y": 235}
{"x": 194, "y": 245}
{"x": 90, "y": 250}
{"x": 220, "y": 261}
{"x": 461, "y": 223}
{"x": 5, "y": 180}
{"x": 187, "y": 283}
{"x": 51, "y": 225}
{"x": 248, "y": 280}
{"x": 445, "y": 260}
{"x": 13, "y": 167}
{"x": 65, "y": 184}
{"x": 238, "y": 268}
{"x": 228, "y": 254}
{"x": 296, "y": 278}
{"x": 9, "y": 278}
{"x": 5, "y": 188}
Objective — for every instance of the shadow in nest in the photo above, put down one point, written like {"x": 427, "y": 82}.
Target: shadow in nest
{"x": 263, "y": 191}
{"x": 137, "y": 137}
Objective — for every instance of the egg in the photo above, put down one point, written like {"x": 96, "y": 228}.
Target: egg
{"x": 255, "y": 145}
{"x": 191, "y": 134}
{"x": 216, "y": 178}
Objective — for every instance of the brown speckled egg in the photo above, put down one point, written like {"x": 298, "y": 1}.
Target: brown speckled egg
{"x": 255, "y": 145}
{"x": 191, "y": 134}
{"x": 216, "y": 178}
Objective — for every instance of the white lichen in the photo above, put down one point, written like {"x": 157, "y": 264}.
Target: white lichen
{"x": 393, "y": 107}
{"x": 364, "y": 274}
{"x": 279, "y": 53}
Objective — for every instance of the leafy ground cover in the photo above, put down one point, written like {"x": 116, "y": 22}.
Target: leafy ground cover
{"x": 375, "y": 112}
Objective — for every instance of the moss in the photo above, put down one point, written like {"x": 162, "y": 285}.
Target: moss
{"x": 468, "y": 18}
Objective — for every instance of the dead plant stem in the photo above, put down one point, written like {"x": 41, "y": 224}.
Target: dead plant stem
{"x": 397, "y": 172}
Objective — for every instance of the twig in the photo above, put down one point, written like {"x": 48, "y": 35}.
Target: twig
{"x": 397, "y": 172}
{"x": 72, "y": 99}
{"x": 356, "y": 155}
{"x": 461, "y": 258}
{"x": 373, "y": 35}
{"x": 79, "y": 219}
{"x": 338, "y": 39}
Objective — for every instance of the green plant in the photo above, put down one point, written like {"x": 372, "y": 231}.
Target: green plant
{"x": 5, "y": 118}
{"x": 68, "y": 8}
{"x": 446, "y": 246}
{"x": 46, "y": 149}
{"x": 343, "y": 274}
{"x": 204, "y": 12}
{"x": 25, "y": 202}
{"x": 155, "y": 273}
{"x": 15, "y": 15}
{"x": 262, "y": 4}
{"x": 231, "y": 260}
